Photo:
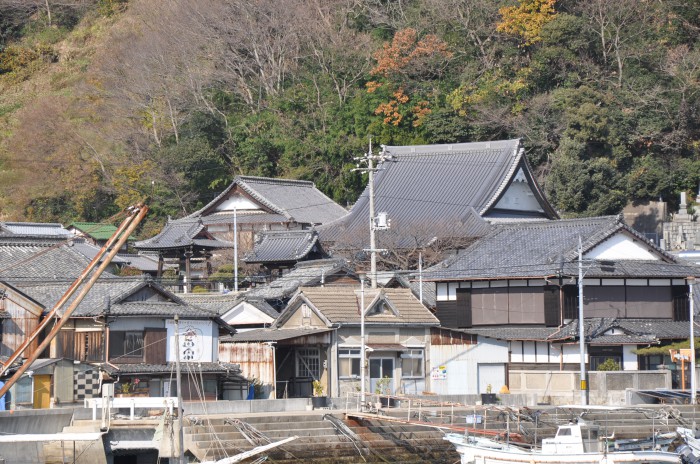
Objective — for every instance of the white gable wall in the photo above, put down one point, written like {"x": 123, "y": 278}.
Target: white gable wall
{"x": 245, "y": 313}
{"x": 622, "y": 247}
{"x": 238, "y": 202}
{"x": 519, "y": 196}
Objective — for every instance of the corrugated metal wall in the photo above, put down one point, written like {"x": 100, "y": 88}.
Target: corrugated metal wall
{"x": 455, "y": 367}
{"x": 257, "y": 361}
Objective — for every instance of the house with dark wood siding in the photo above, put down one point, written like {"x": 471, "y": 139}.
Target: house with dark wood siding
{"x": 520, "y": 282}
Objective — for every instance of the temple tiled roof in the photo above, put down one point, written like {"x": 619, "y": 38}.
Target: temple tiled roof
{"x": 435, "y": 191}
{"x": 180, "y": 234}
{"x": 282, "y": 246}
{"x": 295, "y": 200}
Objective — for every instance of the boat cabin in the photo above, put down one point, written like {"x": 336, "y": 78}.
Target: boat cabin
{"x": 574, "y": 439}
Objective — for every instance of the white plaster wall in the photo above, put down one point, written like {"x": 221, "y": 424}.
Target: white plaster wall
{"x": 239, "y": 203}
{"x": 629, "y": 358}
{"x": 519, "y": 196}
{"x": 245, "y": 313}
{"x": 621, "y": 247}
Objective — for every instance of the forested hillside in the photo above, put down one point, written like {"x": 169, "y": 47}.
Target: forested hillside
{"x": 103, "y": 102}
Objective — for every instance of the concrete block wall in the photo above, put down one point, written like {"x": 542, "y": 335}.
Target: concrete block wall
{"x": 605, "y": 387}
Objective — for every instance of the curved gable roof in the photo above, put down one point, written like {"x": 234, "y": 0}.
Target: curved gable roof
{"x": 296, "y": 200}
{"x": 437, "y": 185}
{"x": 538, "y": 249}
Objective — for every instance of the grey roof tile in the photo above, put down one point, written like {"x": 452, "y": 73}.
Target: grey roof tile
{"x": 629, "y": 331}
{"x": 144, "y": 262}
{"x": 434, "y": 190}
{"x": 44, "y": 262}
{"x": 113, "y": 292}
{"x": 304, "y": 274}
{"x": 512, "y": 332}
{"x": 222, "y": 303}
{"x": 295, "y": 200}
{"x": 282, "y": 246}
{"x": 182, "y": 233}
{"x": 535, "y": 249}
{"x": 244, "y": 217}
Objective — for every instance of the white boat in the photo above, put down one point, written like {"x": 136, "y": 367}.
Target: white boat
{"x": 573, "y": 444}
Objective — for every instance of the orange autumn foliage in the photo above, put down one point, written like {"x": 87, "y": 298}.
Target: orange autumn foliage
{"x": 406, "y": 57}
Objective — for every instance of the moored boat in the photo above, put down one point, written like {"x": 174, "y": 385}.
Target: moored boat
{"x": 573, "y": 444}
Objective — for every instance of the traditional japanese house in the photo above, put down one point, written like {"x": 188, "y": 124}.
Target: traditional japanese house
{"x": 520, "y": 283}
{"x": 125, "y": 327}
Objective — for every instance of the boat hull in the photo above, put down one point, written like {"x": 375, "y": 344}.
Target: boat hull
{"x": 475, "y": 450}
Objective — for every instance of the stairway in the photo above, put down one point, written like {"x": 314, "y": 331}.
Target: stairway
{"x": 320, "y": 441}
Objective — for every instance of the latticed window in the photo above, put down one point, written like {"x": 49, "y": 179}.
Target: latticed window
{"x": 308, "y": 363}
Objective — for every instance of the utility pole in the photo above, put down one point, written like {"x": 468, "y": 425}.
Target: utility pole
{"x": 693, "y": 386}
{"x": 581, "y": 330}
{"x": 181, "y": 434}
{"x": 420, "y": 276}
{"x": 369, "y": 159}
{"x": 363, "y": 355}
{"x": 235, "y": 249}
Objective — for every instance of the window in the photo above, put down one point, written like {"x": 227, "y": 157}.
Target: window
{"x": 349, "y": 363}
{"x": 23, "y": 390}
{"x": 133, "y": 344}
{"x": 412, "y": 363}
{"x": 308, "y": 363}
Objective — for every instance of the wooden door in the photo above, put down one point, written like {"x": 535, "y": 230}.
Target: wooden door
{"x": 42, "y": 391}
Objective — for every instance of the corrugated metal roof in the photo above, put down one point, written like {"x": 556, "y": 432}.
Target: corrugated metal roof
{"x": 282, "y": 246}
{"x": 434, "y": 190}
{"x": 35, "y": 229}
{"x": 534, "y": 249}
{"x": 342, "y": 305}
{"x": 296, "y": 200}
{"x": 271, "y": 335}
{"x": 199, "y": 367}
